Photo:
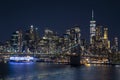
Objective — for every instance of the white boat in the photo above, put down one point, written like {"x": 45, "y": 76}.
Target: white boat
{"x": 21, "y": 59}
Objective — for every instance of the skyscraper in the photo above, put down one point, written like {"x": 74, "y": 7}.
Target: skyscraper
{"x": 92, "y": 28}
{"x": 106, "y": 33}
{"x": 105, "y": 37}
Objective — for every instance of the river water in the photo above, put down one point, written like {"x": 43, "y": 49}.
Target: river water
{"x": 43, "y": 71}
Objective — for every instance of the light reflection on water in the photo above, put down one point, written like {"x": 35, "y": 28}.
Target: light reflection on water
{"x": 41, "y": 71}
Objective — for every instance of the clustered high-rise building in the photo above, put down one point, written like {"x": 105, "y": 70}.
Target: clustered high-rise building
{"x": 99, "y": 39}
{"x": 29, "y": 41}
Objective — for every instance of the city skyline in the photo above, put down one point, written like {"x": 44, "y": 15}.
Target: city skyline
{"x": 58, "y": 16}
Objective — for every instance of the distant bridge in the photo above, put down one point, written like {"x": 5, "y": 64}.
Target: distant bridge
{"x": 58, "y": 53}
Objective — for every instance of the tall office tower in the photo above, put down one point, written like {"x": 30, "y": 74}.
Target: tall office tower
{"x": 17, "y": 41}
{"x": 105, "y": 37}
{"x": 48, "y": 33}
{"x": 98, "y": 37}
{"x": 68, "y": 31}
{"x": 31, "y": 34}
{"x": 36, "y": 34}
{"x": 72, "y": 35}
{"x": 105, "y": 33}
{"x": 31, "y": 28}
{"x": 116, "y": 43}
{"x": 98, "y": 33}
{"x": 78, "y": 35}
{"x": 20, "y": 39}
{"x": 92, "y": 28}
{"x": 75, "y": 35}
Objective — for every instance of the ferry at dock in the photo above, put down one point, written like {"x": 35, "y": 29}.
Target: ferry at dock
{"x": 21, "y": 59}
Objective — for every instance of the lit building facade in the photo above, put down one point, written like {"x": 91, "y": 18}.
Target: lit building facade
{"x": 16, "y": 41}
{"x": 115, "y": 47}
{"x": 106, "y": 41}
{"x": 31, "y": 39}
{"x": 92, "y": 28}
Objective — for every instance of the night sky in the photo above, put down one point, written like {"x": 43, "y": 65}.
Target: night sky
{"x": 58, "y": 15}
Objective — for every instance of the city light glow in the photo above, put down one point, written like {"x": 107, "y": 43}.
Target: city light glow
{"x": 26, "y": 58}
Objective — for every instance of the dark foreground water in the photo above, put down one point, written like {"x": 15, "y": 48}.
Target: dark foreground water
{"x": 40, "y": 71}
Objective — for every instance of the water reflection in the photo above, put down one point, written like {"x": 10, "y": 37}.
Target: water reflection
{"x": 38, "y": 71}
{"x": 4, "y": 71}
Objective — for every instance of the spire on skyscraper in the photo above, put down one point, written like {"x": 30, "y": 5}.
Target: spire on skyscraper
{"x": 92, "y": 14}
